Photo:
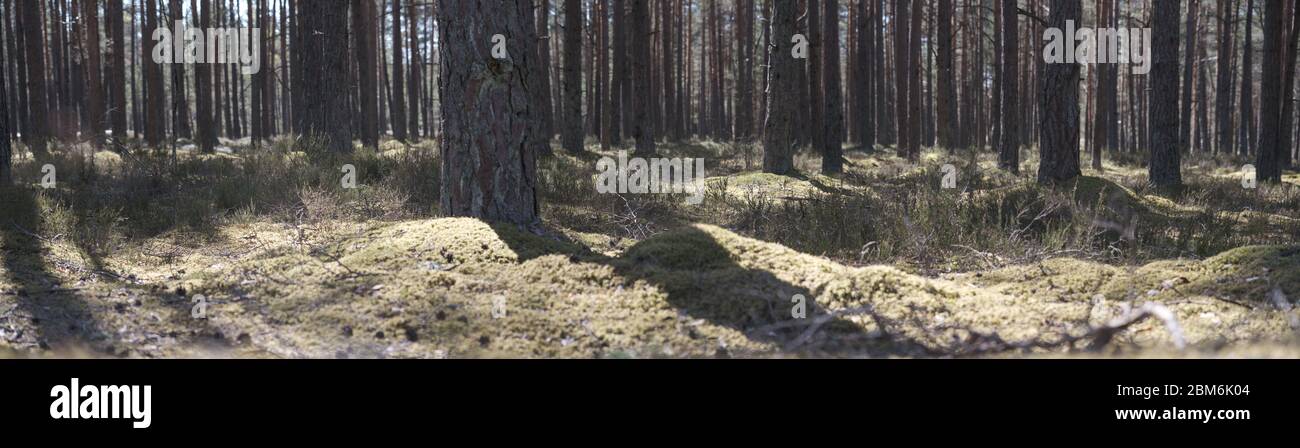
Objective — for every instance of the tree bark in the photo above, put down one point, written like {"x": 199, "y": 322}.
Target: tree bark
{"x": 37, "y": 110}
{"x": 1268, "y": 157}
{"x": 94, "y": 82}
{"x": 1059, "y": 102}
{"x": 1009, "y": 152}
{"x": 1164, "y": 170}
{"x": 832, "y": 149}
{"x": 488, "y": 168}
{"x": 1247, "y": 117}
{"x": 363, "y": 32}
{"x": 1188, "y": 83}
{"x": 398, "y": 100}
{"x": 571, "y": 133}
{"x": 778, "y": 135}
{"x": 642, "y": 128}
{"x": 324, "y": 49}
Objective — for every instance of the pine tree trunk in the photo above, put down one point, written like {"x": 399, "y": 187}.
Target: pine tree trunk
{"x": 1009, "y": 148}
{"x": 900, "y": 20}
{"x": 816, "y": 96}
{"x": 324, "y": 48}
{"x": 1164, "y": 166}
{"x": 833, "y": 137}
{"x": 38, "y": 113}
{"x": 947, "y": 93}
{"x": 1268, "y": 158}
{"x": 642, "y": 127}
{"x": 488, "y": 167}
{"x": 363, "y": 32}
{"x": 668, "y": 93}
{"x": 1188, "y": 83}
{"x": 617, "y": 85}
{"x": 398, "y": 100}
{"x": 540, "y": 139}
{"x": 413, "y": 87}
{"x": 571, "y": 131}
{"x": 778, "y": 135}
{"x": 207, "y": 137}
{"x": 94, "y": 82}
{"x": 1247, "y": 117}
{"x": 1059, "y": 102}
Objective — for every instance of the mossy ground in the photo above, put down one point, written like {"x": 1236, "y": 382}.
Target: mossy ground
{"x": 888, "y": 263}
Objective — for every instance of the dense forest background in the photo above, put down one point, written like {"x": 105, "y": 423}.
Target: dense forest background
{"x": 399, "y": 173}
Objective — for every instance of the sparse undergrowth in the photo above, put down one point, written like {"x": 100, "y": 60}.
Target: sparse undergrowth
{"x": 890, "y": 264}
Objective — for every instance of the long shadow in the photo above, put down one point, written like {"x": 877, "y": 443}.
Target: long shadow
{"x": 58, "y": 314}
{"x": 702, "y": 280}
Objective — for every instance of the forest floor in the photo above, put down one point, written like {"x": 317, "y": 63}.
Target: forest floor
{"x": 261, "y": 253}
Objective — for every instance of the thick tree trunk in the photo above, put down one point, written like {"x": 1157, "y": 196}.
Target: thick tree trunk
{"x": 324, "y": 48}
{"x": 363, "y": 32}
{"x": 778, "y": 135}
{"x": 571, "y": 132}
{"x": 1223, "y": 93}
{"x": 540, "y": 96}
{"x": 488, "y": 167}
{"x": 1268, "y": 159}
{"x": 1059, "y": 102}
{"x": 832, "y": 149}
{"x": 1164, "y": 168}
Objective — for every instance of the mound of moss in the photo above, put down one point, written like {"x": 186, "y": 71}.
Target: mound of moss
{"x": 459, "y": 287}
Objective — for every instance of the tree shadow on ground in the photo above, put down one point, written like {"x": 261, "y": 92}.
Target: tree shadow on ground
{"x": 59, "y": 314}
{"x": 702, "y": 280}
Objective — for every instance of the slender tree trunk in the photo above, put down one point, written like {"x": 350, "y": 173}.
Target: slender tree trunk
{"x": 571, "y": 131}
{"x": 1009, "y": 153}
{"x": 946, "y": 116}
{"x": 94, "y": 81}
{"x": 666, "y": 59}
{"x": 1164, "y": 165}
{"x": 1247, "y": 117}
{"x": 29, "y": 25}
{"x": 207, "y": 137}
{"x": 363, "y": 31}
{"x": 1188, "y": 83}
{"x": 816, "y": 97}
{"x": 913, "y": 70}
{"x": 901, "y": 63}
{"x": 488, "y": 168}
{"x": 1059, "y": 103}
{"x": 832, "y": 149}
{"x": 413, "y": 87}
{"x": 116, "y": 70}
{"x": 398, "y": 101}
{"x": 778, "y": 135}
{"x": 642, "y": 128}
